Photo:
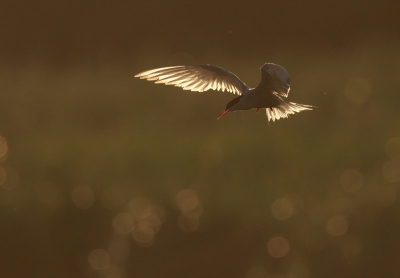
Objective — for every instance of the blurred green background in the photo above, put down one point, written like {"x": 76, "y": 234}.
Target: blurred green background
{"x": 105, "y": 175}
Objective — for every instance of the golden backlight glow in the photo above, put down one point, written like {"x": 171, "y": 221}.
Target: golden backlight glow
{"x": 103, "y": 175}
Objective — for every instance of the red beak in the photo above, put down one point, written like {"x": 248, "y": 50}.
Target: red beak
{"x": 222, "y": 114}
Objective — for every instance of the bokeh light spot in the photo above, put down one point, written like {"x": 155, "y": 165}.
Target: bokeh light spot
{"x": 187, "y": 199}
{"x": 99, "y": 259}
{"x": 83, "y": 197}
{"x": 150, "y": 224}
{"x": 194, "y": 213}
{"x": 357, "y": 90}
{"x": 391, "y": 169}
{"x": 148, "y": 218}
{"x": 191, "y": 208}
{"x": 123, "y": 223}
{"x": 139, "y": 206}
{"x": 282, "y": 209}
{"x": 3, "y": 147}
{"x": 337, "y": 225}
{"x": 278, "y": 247}
{"x": 351, "y": 180}
{"x": 144, "y": 239}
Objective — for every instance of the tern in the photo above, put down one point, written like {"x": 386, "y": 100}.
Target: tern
{"x": 268, "y": 95}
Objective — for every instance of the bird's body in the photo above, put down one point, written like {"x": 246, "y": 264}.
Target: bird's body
{"x": 274, "y": 84}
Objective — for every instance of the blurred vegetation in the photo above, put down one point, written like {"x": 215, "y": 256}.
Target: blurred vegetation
{"x": 104, "y": 175}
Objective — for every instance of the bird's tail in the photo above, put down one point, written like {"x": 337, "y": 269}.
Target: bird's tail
{"x": 284, "y": 109}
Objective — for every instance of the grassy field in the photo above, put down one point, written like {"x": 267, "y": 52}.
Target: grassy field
{"x": 105, "y": 175}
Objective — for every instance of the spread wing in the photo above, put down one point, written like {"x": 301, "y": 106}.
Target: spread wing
{"x": 196, "y": 78}
{"x": 284, "y": 109}
{"x": 278, "y": 78}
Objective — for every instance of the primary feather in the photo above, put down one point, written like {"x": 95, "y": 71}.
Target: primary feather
{"x": 198, "y": 78}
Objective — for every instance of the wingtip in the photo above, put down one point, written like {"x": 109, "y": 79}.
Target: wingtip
{"x": 140, "y": 74}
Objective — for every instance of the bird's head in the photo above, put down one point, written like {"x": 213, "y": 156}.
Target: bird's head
{"x": 232, "y": 103}
{"x": 272, "y": 69}
{"x": 265, "y": 68}
{"x": 230, "y": 106}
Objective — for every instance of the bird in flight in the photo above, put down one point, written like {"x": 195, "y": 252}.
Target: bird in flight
{"x": 274, "y": 85}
